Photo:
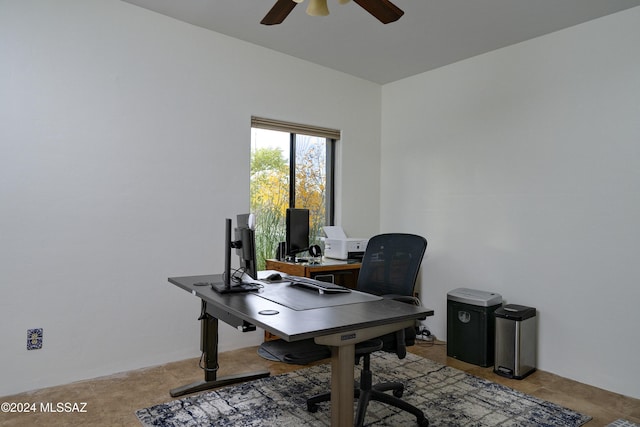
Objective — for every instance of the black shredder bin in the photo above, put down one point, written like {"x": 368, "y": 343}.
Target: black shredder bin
{"x": 516, "y": 336}
{"x": 471, "y": 325}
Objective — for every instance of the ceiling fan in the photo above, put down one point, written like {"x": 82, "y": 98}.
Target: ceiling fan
{"x": 383, "y": 10}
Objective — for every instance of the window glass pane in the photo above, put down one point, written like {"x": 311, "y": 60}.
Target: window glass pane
{"x": 269, "y": 189}
{"x": 311, "y": 180}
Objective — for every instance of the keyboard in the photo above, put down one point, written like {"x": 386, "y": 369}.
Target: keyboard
{"x": 317, "y": 285}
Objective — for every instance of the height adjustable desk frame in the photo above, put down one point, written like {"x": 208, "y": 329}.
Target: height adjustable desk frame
{"x": 340, "y": 327}
{"x": 209, "y": 348}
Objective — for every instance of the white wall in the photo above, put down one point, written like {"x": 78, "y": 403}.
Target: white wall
{"x": 523, "y": 173}
{"x": 124, "y": 141}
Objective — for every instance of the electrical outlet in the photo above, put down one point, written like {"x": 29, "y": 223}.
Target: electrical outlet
{"x": 34, "y": 339}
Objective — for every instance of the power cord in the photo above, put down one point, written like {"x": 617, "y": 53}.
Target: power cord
{"x": 426, "y": 338}
{"x": 201, "y": 363}
{"x": 236, "y": 275}
{"x": 424, "y": 334}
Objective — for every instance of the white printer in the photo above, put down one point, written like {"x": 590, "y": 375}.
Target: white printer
{"x": 338, "y": 246}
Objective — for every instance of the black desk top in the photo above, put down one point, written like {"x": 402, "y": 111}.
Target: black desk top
{"x": 294, "y": 325}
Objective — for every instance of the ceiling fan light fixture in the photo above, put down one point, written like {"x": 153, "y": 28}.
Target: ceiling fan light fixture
{"x": 383, "y": 10}
{"x": 317, "y": 8}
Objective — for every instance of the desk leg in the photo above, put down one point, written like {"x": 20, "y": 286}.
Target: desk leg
{"x": 209, "y": 347}
{"x": 343, "y": 349}
{"x": 342, "y": 380}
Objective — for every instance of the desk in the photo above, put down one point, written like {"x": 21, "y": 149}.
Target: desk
{"x": 344, "y": 272}
{"x": 338, "y": 326}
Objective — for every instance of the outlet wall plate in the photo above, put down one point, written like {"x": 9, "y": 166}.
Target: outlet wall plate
{"x": 34, "y": 339}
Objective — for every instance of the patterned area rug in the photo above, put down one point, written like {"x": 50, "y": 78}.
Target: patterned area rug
{"x": 622, "y": 423}
{"x": 448, "y": 396}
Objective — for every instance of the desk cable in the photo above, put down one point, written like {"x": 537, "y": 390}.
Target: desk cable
{"x": 205, "y": 316}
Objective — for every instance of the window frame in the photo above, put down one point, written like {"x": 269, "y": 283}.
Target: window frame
{"x": 332, "y": 136}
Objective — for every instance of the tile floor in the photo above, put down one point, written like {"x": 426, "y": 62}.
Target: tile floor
{"x": 112, "y": 400}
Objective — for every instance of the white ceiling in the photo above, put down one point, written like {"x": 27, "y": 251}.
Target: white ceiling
{"x": 432, "y": 33}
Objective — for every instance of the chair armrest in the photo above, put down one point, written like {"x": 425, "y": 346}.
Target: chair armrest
{"x": 401, "y": 347}
{"x": 400, "y": 336}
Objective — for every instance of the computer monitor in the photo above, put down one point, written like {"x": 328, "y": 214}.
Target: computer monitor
{"x": 297, "y": 231}
{"x": 246, "y": 236}
{"x": 239, "y": 280}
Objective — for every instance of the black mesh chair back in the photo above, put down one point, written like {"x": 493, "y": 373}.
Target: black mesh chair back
{"x": 391, "y": 263}
{"x": 389, "y": 269}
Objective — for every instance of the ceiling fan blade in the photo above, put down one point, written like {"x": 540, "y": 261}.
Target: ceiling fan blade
{"x": 278, "y": 12}
{"x": 383, "y": 10}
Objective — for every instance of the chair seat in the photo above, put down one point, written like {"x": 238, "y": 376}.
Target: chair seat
{"x": 368, "y": 347}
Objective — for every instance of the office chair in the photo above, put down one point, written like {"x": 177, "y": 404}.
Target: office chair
{"x": 389, "y": 269}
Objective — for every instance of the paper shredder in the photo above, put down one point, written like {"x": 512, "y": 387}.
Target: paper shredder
{"x": 471, "y": 325}
{"x": 516, "y": 337}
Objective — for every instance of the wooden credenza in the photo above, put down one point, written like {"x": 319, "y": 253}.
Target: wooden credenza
{"x": 344, "y": 273}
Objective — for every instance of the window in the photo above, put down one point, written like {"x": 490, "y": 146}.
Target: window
{"x": 291, "y": 166}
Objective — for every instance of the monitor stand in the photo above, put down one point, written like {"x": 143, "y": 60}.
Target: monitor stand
{"x": 222, "y": 288}
{"x": 209, "y": 346}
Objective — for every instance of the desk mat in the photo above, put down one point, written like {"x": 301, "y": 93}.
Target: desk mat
{"x": 299, "y": 299}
